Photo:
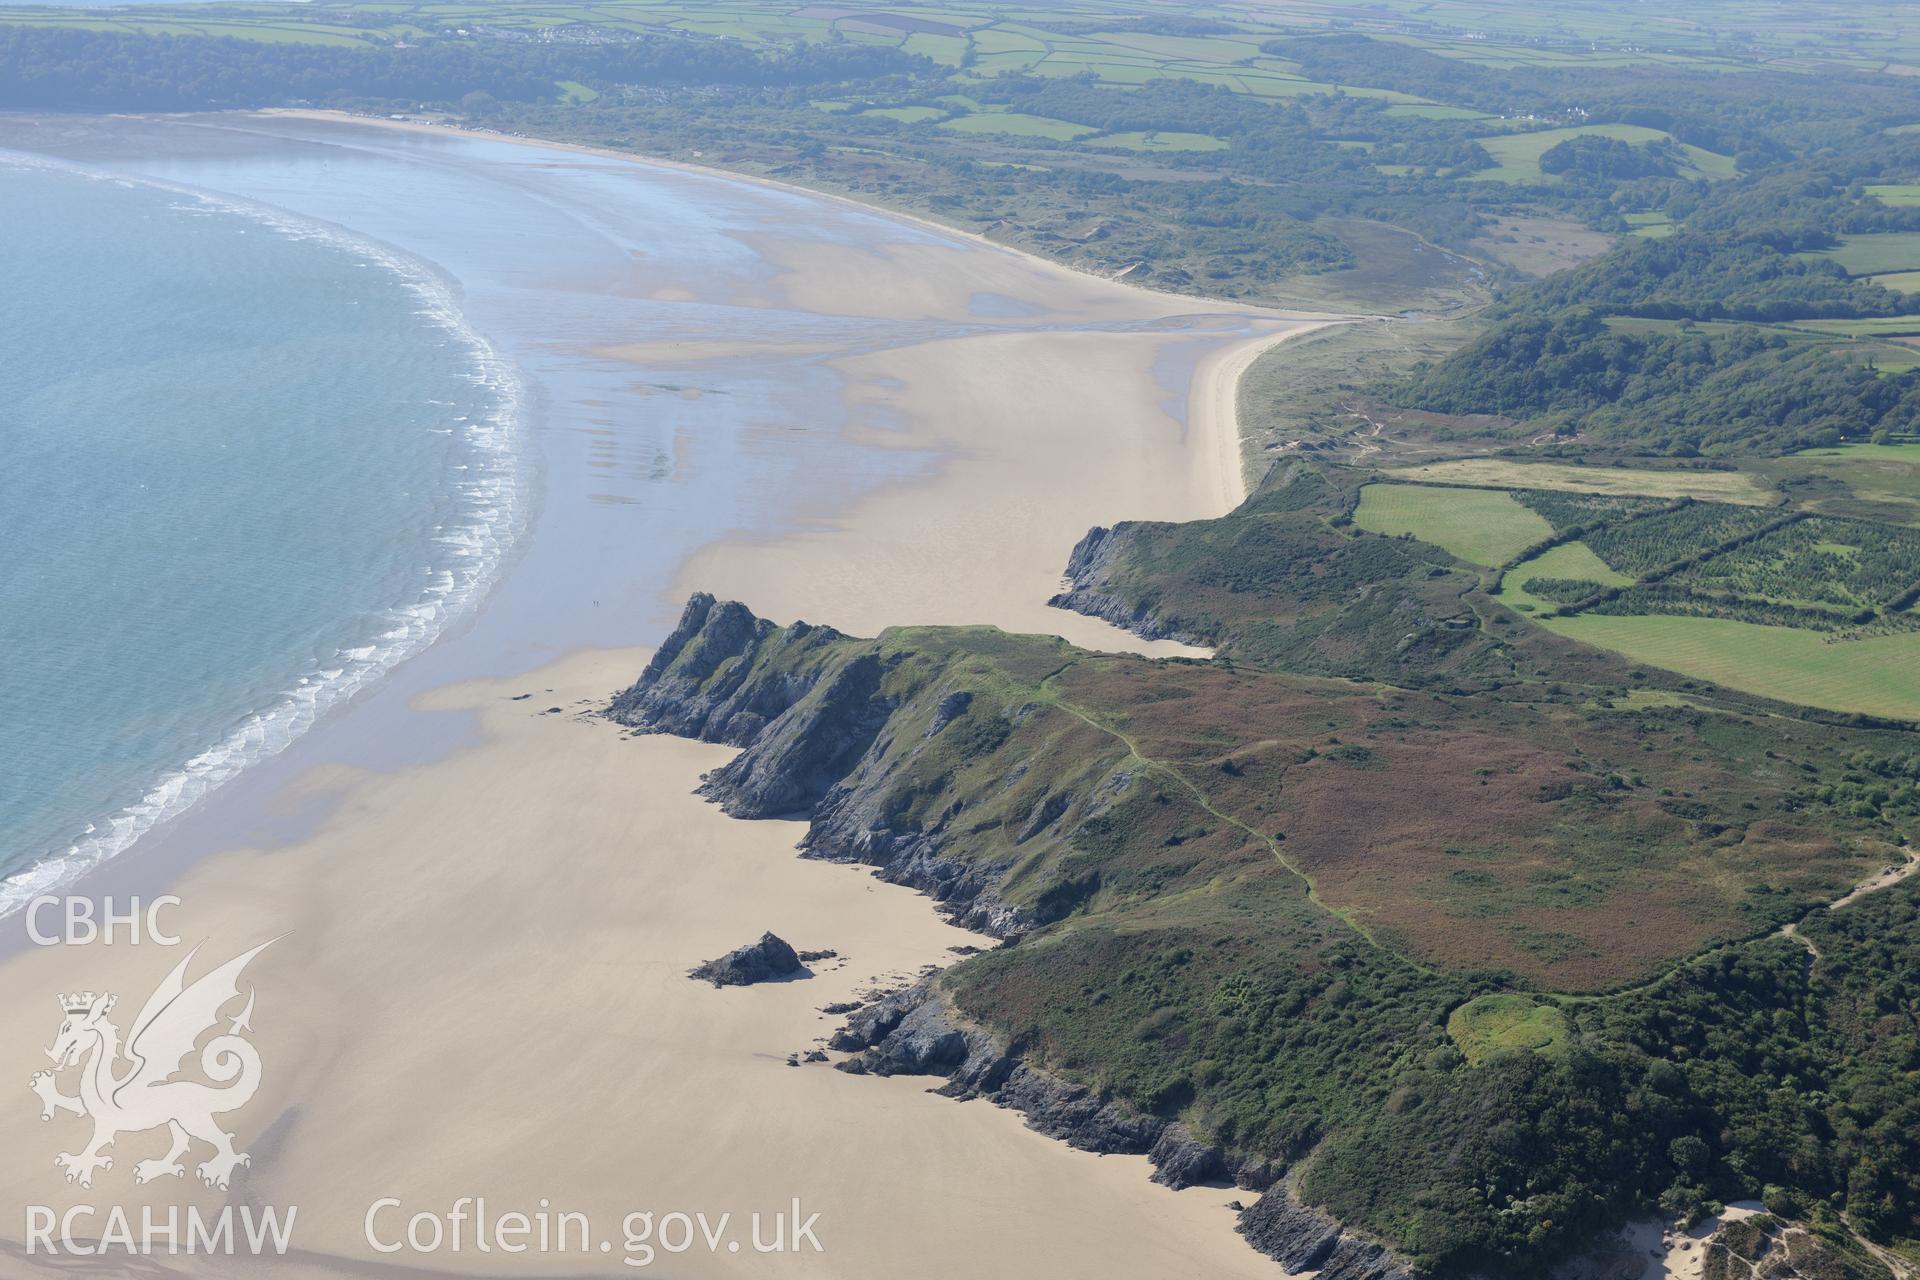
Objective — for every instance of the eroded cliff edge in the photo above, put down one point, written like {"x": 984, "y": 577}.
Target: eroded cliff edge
{"x": 1245, "y": 906}
{"x": 936, "y": 756}
{"x": 941, "y": 759}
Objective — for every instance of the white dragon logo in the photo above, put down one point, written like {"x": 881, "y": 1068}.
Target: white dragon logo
{"x": 144, "y": 1095}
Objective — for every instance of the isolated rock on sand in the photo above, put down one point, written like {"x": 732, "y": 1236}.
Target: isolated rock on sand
{"x": 760, "y": 961}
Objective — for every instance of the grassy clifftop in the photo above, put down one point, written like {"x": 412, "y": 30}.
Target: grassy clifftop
{"x": 1276, "y": 904}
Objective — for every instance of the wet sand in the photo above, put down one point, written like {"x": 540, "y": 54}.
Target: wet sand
{"x": 483, "y": 992}
{"x": 1041, "y": 437}
{"x": 481, "y": 989}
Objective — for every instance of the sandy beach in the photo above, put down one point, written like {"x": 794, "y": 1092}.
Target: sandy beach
{"x": 482, "y": 992}
{"x": 1060, "y": 436}
{"x": 479, "y": 984}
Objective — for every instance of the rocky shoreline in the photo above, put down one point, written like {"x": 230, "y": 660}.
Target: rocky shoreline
{"x": 1090, "y": 571}
{"x": 915, "y": 1031}
{"x": 712, "y": 679}
{"x": 810, "y": 720}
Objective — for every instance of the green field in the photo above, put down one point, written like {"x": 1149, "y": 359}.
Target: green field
{"x": 1571, "y": 560}
{"x": 985, "y": 39}
{"x": 905, "y": 115}
{"x": 1715, "y": 486}
{"x": 1881, "y": 481}
{"x": 1519, "y": 153}
{"x": 1877, "y": 676}
{"x": 185, "y": 23}
{"x": 1481, "y": 526}
{"x": 1019, "y": 126}
{"x": 1899, "y": 281}
{"x": 1507, "y": 1024}
{"x": 1891, "y": 358}
{"x": 1871, "y": 327}
{"x": 1895, "y": 455}
{"x": 1650, "y": 226}
{"x": 1871, "y": 255}
{"x": 977, "y": 40}
{"x": 1900, "y": 195}
{"x": 1422, "y": 112}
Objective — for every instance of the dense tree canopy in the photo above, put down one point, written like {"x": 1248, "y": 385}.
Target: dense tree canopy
{"x": 83, "y": 70}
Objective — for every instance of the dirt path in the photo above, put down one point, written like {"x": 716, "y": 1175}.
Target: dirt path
{"x": 1885, "y": 879}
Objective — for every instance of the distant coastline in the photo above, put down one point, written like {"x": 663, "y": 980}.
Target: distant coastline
{"x": 1215, "y": 400}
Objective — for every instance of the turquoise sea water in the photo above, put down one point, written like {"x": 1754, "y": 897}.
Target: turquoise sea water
{"x": 247, "y": 463}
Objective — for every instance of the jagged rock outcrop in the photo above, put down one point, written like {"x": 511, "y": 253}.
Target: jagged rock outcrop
{"x": 696, "y": 685}
{"x": 1303, "y": 1239}
{"x": 871, "y": 1023}
{"x": 951, "y": 708}
{"x": 1078, "y": 1116}
{"x": 852, "y": 823}
{"x": 1284, "y": 582}
{"x": 809, "y": 707}
{"x": 1090, "y": 571}
{"x": 1180, "y": 1160}
{"x": 859, "y": 819}
{"x": 867, "y": 738}
{"x": 923, "y": 1042}
{"x": 913, "y": 1031}
{"x": 763, "y": 961}
{"x": 804, "y": 712}
{"x": 792, "y": 761}
{"x": 1257, "y": 1174}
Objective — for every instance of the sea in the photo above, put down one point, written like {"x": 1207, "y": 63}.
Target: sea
{"x": 303, "y": 419}
{"x": 251, "y": 462}
{"x": 304, "y": 416}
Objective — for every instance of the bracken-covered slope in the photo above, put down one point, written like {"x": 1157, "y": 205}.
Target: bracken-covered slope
{"x": 1345, "y": 926}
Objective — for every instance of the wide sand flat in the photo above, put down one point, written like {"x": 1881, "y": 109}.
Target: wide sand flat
{"x": 481, "y": 989}
{"x": 1040, "y": 437}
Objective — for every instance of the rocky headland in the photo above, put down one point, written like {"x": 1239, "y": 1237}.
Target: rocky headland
{"x": 1097, "y": 562}
{"x": 813, "y": 711}
{"x": 844, "y": 732}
